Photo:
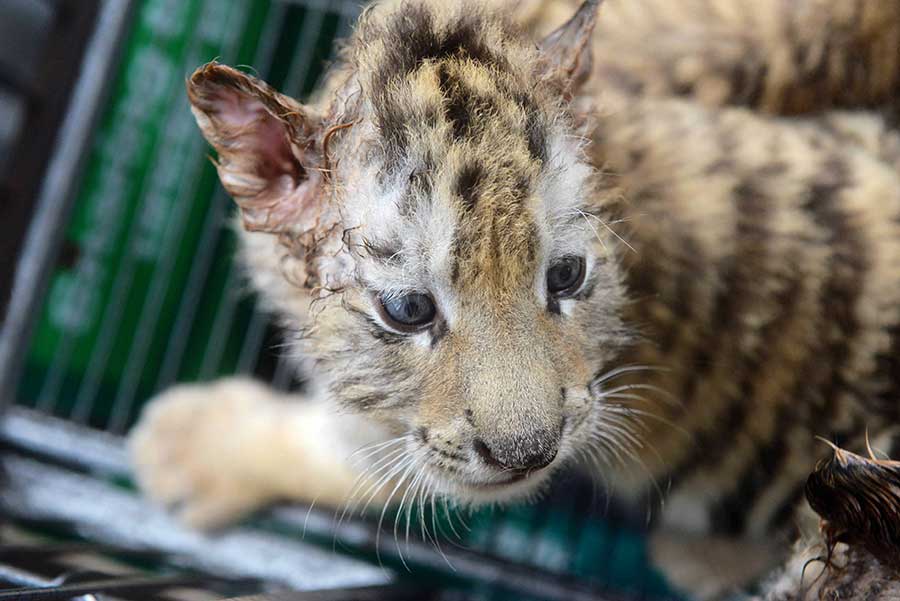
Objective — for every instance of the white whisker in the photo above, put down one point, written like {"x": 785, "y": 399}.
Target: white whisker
{"x": 593, "y": 229}
{"x": 376, "y": 447}
{"x": 624, "y": 369}
{"x": 606, "y": 225}
{"x": 410, "y": 463}
{"x": 667, "y": 396}
{"x": 371, "y": 473}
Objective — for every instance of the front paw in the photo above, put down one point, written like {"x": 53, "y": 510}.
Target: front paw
{"x": 190, "y": 452}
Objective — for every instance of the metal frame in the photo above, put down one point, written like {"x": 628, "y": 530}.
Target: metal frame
{"x": 214, "y": 228}
{"x": 36, "y": 484}
{"x": 108, "y": 513}
{"x": 57, "y": 193}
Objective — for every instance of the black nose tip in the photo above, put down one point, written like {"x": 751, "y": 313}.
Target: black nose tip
{"x": 516, "y": 461}
{"x": 485, "y": 453}
{"x": 537, "y": 461}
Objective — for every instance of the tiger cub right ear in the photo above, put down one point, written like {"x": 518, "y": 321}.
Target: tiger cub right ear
{"x": 567, "y": 50}
{"x": 268, "y": 145}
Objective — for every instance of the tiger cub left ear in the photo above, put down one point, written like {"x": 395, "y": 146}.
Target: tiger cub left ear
{"x": 567, "y": 51}
{"x": 268, "y": 146}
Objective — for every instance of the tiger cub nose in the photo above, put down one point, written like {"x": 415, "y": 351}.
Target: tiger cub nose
{"x": 532, "y": 459}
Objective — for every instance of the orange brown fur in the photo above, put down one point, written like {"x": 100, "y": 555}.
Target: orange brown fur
{"x": 730, "y": 174}
{"x": 768, "y": 263}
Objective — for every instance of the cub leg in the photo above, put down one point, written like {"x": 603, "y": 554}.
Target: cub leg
{"x": 214, "y": 452}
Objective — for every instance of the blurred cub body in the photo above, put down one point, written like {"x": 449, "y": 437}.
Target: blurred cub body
{"x": 725, "y": 178}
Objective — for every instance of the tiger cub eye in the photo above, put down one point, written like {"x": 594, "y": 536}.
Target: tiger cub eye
{"x": 565, "y": 276}
{"x": 408, "y": 313}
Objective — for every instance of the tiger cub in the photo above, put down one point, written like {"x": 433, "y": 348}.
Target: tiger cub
{"x": 666, "y": 247}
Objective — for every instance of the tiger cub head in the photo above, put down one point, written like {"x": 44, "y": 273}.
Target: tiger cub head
{"x": 434, "y": 234}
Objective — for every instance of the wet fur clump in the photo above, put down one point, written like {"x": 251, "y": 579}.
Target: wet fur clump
{"x": 856, "y": 554}
{"x": 852, "y": 574}
{"x": 858, "y": 499}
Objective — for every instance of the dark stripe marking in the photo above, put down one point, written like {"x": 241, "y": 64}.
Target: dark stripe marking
{"x": 821, "y": 377}
{"x": 464, "y": 109}
{"x": 751, "y": 234}
{"x": 468, "y": 182}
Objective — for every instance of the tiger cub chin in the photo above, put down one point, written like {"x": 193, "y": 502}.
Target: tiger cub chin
{"x": 663, "y": 243}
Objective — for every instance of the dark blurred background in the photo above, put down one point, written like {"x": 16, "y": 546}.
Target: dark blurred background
{"x": 40, "y": 43}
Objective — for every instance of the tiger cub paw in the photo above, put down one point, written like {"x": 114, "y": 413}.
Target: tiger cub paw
{"x": 190, "y": 452}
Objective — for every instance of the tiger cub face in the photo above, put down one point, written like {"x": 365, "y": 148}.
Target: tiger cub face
{"x": 435, "y": 235}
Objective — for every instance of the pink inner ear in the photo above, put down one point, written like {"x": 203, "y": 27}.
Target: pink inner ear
{"x": 259, "y": 163}
{"x": 234, "y": 109}
{"x": 260, "y": 133}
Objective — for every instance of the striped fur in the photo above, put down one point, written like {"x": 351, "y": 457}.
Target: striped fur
{"x": 769, "y": 262}
{"x": 746, "y": 159}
